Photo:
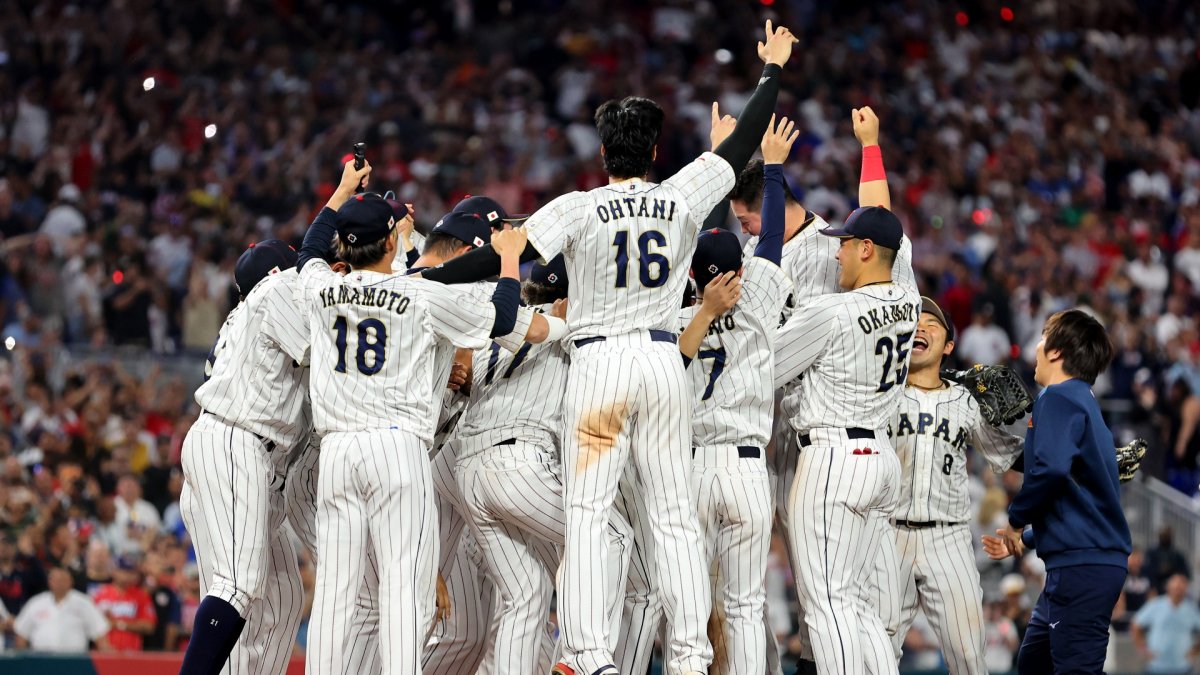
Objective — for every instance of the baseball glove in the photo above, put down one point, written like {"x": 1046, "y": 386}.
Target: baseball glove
{"x": 998, "y": 390}
{"x": 1129, "y": 459}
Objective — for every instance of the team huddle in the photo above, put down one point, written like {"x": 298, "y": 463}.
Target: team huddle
{"x": 455, "y": 449}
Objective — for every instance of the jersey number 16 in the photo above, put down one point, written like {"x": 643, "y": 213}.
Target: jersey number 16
{"x": 647, "y": 274}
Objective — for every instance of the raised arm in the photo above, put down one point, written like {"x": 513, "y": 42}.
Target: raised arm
{"x": 741, "y": 143}
{"x": 872, "y": 185}
{"x": 776, "y": 145}
{"x": 318, "y": 240}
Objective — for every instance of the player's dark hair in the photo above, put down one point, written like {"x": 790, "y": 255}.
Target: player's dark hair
{"x": 629, "y": 130}
{"x": 1085, "y": 345}
{"x": 748, "y": 188}
{"x": 442, "y": 245}
{"x": 887, "y": 256}
{"x": 358, "y": 257}
{"x": 533, "y": 293}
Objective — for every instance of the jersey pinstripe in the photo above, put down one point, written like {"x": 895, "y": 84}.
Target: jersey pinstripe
{"x": 853, "y": 349}
{"x": 931, "y": 433}
{"x": 732, "y": 376}
{"x": 502, "y": 405}
{"x": 382, "y": 345}
{"x": 627, "y": 245}
{"x": 808, "y": 261}
{"x": 264, "y": 343}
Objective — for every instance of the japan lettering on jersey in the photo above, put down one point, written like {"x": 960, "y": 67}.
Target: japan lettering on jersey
{"x": 379, "y": 345}
{"x": 258, "y": 379}
{"x": 627, "y": 245}
{"x": 733, "y": 373}
{"x": 514, "y": 395}
{"x": 853, "y": 349}
{"x": 931, "y": 433}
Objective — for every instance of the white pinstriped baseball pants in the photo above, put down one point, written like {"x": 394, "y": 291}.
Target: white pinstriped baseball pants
{"x": 935, "y": 570}
{"x": 628, "y": 401}
{"x": 375, "y": 491}
{"x": 838, "y": 505}
{"x": 513, "y": 495}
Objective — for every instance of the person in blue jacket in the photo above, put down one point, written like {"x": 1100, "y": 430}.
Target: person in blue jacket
{"x": 1071, "y": 498}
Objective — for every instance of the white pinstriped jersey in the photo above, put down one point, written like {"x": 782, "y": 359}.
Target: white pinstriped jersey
{"x": 808, "y": 261}
{"x": 382, "y": 345}
{"x": 853, "y": 349}
{"x": 930, "y": 435}
{"x": 259, "y": 381}
{"x": 627, "y": 246}
{"x": 733, "y": 373}
{"x": 514, "y": 396}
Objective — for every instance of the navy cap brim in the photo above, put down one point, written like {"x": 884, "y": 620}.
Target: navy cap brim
{"x": 838, "y": 232}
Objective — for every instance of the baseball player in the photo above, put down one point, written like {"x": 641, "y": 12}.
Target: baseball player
{"x": 508, "y": 472}
{"x": 234, "y": 459}
{"x": 853, "y": 349}
{"x": 378, "y": 342}
{"x": 936, "y": 570}
{"x": 733, "y": 387}
{"x": 626, "y": 388}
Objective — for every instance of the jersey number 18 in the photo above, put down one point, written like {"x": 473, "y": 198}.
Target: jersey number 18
{"x": 372, "y": 345}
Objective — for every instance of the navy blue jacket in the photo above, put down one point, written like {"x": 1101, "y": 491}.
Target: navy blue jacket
{"x": 1071, "y": 493}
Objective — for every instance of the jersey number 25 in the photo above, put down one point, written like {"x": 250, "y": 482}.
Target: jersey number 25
{"x": 890, "y": 350}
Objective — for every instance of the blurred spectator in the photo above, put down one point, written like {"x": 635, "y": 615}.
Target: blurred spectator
{"x": 61, "y": 619}
{"x": 127, "y": 607}
{"x": 21, "y": 577}
{"x": 1167, "y": 630}
{"x": 166, "y": 603}
{"x": 983, "y": 341}
{"x": 1000, "y": 637}
{"x": 134, "y": 514}
{"x": 1165, "y": 561}
{"x": 190, "y": 597}
{"x": 1134, "y": 595}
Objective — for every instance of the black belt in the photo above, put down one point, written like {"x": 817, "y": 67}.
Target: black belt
{"x": 267, "y": 443}
{"x": 744, "y": 452}
{"x": 923, "y": 524}
{"x": 851, "y": 433}
{"x": 656, "y": 335}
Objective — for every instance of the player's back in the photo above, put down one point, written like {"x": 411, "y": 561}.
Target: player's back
{"x": 627, "y": 245}
{"x": 861, "y": 340}
{"x": 733, "y": 373}
{"x": 514, "y": 395}
{"x": 380, "y": 348}
{"x": 257, "y": 378}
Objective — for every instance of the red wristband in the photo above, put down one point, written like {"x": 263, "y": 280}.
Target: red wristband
{"x": 872, "y": 165}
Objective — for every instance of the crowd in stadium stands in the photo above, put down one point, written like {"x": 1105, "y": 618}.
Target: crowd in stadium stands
{"x": 1039, "y": 159}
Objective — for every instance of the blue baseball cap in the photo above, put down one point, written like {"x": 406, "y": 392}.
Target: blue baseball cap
{"x": 717, "y": 252}
{"x": 870, "y": 222}
{"x": 260, "y": 261}
{"x": 468, "y": 228}
{"x": 366, "y": 218}
{"x": 553, "y": 274}
{"x": 488, "y": 209}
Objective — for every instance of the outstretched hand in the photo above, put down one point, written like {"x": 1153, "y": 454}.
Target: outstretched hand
{"x": 777, "y": 142}
{"x": 722, "y": 126}
{"x": 866, "y": 125}
{"x": 778, "y": 47}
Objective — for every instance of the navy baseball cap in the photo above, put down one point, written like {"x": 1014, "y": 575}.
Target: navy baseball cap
{"x": 717, "y": 252}
{"x": 553, "y": 274}
{"x": 367, "y": 218}
{"x": 870, "y": 222}
{"x": 469, "y": 228}
{"x": 928, "y": 306}
{"x": 260, "y": 261}
{"x": 488, "y": 209}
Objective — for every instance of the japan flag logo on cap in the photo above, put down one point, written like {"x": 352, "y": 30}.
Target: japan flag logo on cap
{"x": 713, "y": 269}
{"x": 478, "y": 242}
{"x": 274, "y": 270}
{"x": 492, "y": 215}
{"x": 351, "y": 238}
{"x": 553, "y": 278}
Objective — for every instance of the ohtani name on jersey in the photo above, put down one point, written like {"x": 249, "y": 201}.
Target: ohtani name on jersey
{"x": 641, "y": 207}
{"x": 368, "y": 297}
{"x": 925, "y": 427}
{"x": 886, "y": 315}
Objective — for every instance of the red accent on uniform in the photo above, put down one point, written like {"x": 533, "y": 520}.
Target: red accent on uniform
{"x": 872, "y": 165}
{"x": 359, "y": 198}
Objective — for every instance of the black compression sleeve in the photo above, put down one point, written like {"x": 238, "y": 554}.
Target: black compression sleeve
{"x": 482, "y": 263}
{"x": 318, "y": 240}
{"x": 506, "y": 298}
{"x": 746, "y": 136}
{"x": 717, "y": 217}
